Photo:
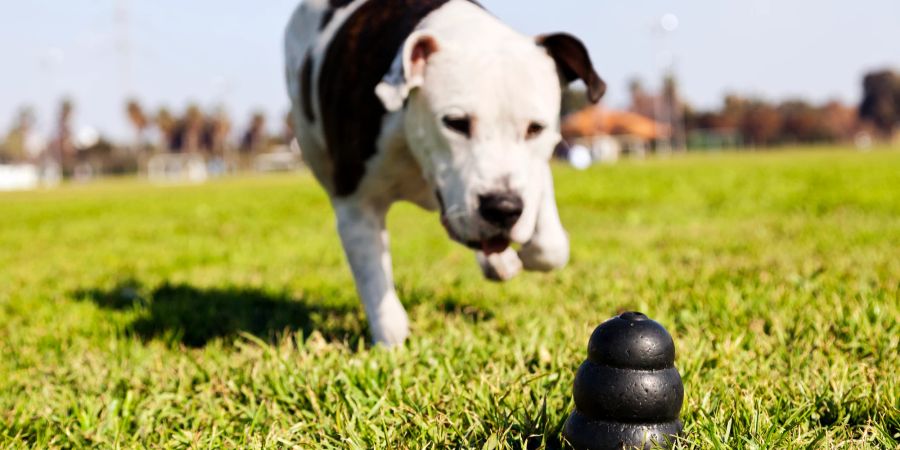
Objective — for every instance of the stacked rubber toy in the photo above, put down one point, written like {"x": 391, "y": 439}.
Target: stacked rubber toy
{"x": 628, "y": 394}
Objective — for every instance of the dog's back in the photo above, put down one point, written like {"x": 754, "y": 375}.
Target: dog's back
{"x": 311, "y": 20}
{"x": 341, "y": 51}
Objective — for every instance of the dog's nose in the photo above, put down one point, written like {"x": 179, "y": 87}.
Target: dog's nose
{"x": 500, "y": 209}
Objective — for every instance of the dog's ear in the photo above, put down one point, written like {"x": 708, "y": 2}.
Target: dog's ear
{"x": 574, "y": 62}
{"x": 407, "y": 72}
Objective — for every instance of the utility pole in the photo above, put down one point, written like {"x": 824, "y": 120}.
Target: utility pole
{"x": 123, "y": 46}
{"x": 667, "y": 105}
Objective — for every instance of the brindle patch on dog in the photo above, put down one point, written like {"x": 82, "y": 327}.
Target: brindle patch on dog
{"x": 306, "y": 74}
{"x": 326, "y": 19}
{"x": 359, "y": 55}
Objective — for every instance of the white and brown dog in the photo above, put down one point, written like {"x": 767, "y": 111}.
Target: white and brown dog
{"x": 438, "y": 103}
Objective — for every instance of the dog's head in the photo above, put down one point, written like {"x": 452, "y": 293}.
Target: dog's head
{"x": 482, "y": 119}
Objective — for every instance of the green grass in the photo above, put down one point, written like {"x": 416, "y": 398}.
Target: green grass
{"x": 223, "y": 316}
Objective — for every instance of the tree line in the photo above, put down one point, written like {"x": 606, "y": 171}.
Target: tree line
{"x": 762, "y": 123}
{"x": 192, "y": 130}
{"x": 755, "y": 121}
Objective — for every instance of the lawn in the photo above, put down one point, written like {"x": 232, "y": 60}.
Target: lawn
{"x": 223, "y": 315}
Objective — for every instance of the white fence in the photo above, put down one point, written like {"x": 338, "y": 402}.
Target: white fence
{"x": 24, "y": 177}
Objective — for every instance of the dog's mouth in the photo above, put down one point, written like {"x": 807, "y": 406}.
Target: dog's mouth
{"x": 489, "y": 246}
{"x": 496, "y": 244}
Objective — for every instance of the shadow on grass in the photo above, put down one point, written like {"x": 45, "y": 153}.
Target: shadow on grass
{"x": 415, "y": 298}
{"x": 191, "y": 316}
{"x": 180, "y": 313}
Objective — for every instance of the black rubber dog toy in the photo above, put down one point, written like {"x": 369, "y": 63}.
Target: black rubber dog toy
{"x": 628, "y": 393}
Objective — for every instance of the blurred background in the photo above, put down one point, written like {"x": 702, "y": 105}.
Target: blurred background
{"x": 185, "y": 91}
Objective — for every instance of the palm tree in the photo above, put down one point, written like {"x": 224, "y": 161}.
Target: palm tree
{"x": 65, "y": 149}
{"x": 139, "y": 121}
{"x": 193, "y": 122}
{"x": 16, "y": 147}
{"x": 255, "y": 139}
{"x": 166, "y": 124}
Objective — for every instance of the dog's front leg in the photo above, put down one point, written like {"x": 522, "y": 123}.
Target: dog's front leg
{"x": 548, "y": 249}
{"x": 365, "y": 240}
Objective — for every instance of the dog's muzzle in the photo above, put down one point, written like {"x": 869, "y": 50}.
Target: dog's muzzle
{"x": 500, "y": 211}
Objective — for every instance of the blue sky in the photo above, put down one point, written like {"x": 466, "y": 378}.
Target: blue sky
{"x": 229, "y": 51}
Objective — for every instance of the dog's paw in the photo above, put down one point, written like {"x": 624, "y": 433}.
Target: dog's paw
{"x": 389, "y": 326}
{"x": 544, "y": 259}
{"x": 500, "y": 266}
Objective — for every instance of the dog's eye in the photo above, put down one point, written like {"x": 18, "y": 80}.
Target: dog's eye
{"x": 461, "y": 125}
{"x": 534, "y": 130}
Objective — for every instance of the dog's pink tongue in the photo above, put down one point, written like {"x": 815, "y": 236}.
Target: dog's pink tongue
{"x": 494, "y": 245}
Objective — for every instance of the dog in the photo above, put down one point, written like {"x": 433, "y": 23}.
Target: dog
{"x": 438, "y": 103}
